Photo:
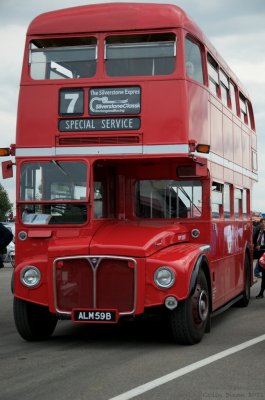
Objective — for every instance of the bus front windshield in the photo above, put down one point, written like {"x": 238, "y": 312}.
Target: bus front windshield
{"x": 53, "y": 192}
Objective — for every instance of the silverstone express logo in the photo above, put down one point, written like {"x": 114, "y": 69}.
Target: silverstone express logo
{"x": 114, "y": 101}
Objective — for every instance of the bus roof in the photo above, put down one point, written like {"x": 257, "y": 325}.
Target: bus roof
{"x": 111, "y": 17}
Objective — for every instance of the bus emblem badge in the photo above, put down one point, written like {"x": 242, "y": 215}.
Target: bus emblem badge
{"x": 94, "y": 262}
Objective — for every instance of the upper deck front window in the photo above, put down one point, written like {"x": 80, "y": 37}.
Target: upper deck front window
{"x": 63, "y": 58}
{"x": 140, "y": 55}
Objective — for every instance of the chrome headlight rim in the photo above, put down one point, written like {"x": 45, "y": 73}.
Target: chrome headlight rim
{"x": 35, "y": 276}
{"x": 170, "y": 279}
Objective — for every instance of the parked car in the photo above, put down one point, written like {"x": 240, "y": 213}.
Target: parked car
{"x": 8, "y": 254}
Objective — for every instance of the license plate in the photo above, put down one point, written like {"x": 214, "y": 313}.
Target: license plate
{"x": 99, "y": 316}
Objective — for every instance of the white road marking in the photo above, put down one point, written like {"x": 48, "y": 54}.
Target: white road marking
{"x": 186, "y": 370}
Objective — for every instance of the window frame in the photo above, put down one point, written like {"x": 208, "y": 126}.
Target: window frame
{"x": 119, "y": 40}
{"x": 238, "y": 196}
{"x": 198, "y": 46}
{"x": 51, "y": 210}
{"x": 60, "y": 44}
{"x": 213, "y": 79}
{"x": 163, "y": 209}
{"x": 217, "y": 200}
{"x": 233, "y": 97}
{"x": 243, "y": 108}
{"x": 245, "y": 203}
{"x": 227, "y": 200}
{"x": 225, "y": 88}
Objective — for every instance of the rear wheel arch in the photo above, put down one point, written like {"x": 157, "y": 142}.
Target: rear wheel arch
{"x": 191, "y": 319}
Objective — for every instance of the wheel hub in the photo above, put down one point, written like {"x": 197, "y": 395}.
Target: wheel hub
{"x": 203, "y": 305}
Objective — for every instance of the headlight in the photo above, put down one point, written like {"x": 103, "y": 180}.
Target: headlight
{"x": 30, "y": 276}
{"x": 164, "y": 277}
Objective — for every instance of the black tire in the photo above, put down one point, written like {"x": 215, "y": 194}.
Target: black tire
{"x": 247, "y": 282}
{"x": 189, "y": 320}
{"x": 12, "y": 283}
{"x": 33, "y": 322}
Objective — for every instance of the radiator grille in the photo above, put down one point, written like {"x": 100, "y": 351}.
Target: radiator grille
{"x": 95, "y": 282}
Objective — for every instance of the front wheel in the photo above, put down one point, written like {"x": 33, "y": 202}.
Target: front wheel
{"x": 189, "y": 320}
{"x": 33, "y": 322}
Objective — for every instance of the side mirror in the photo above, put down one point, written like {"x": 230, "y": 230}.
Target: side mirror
{"x": 7, "y": 169}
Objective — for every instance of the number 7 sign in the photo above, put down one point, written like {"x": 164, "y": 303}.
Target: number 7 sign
{"x": 71, "y": 102}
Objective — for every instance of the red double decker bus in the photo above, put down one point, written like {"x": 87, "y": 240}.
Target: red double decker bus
{"x": 135, "y": 155}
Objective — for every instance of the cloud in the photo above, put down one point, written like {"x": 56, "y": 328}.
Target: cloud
{"x": 8, "y": 127}
{"x": 242, "y": 47}
{"x": 11, "y": 66}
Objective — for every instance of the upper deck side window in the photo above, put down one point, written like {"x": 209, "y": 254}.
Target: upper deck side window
{"x": 63, "y": 58}
{"x": 193, "y": 60}
{"x": 225, "y": 88}
{"x": 243, "y": 108}
{"x": 140, "y": 55}
{"x": 251, "y": 115}
{"x": 246, "y": 112}
{"x": 233, "y": 98}
{"x": 213, "y": 75}
{"x": 222, "y": 86}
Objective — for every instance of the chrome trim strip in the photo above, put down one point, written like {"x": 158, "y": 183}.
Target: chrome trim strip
{"x": 102, "y": 150}
{"x": 35, "y": 151}
{"x": 98, "y": 150}
{"x": 206, "y": 248}
{"x": 139, "y": 149}
{"x": 89, "y": 258}
{"x": 165, "y": 149}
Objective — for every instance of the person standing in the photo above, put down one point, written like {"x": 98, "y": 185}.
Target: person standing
{"x": 259, "y": 245}
{"x": 5, "y": 238}
{"x": 262, "y": 267}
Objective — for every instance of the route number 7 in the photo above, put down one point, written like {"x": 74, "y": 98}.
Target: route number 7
{"x": 71, "y": 102}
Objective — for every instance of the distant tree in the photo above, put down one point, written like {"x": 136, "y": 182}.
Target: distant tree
{"x": 5, "y": 204}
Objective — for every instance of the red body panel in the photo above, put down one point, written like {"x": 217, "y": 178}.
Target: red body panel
{"x": 110, "y": 261}
{"x": 137, "y": 239}
{"x": 171, "y": 128}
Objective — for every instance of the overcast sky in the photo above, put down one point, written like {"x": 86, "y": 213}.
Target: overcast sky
{"x": 235, "y": 27}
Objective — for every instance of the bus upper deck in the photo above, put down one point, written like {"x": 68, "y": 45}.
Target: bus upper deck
{"x": 150, "y": 85}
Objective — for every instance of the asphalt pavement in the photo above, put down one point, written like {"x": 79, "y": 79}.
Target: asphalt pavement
{"x": 84, "y": 362}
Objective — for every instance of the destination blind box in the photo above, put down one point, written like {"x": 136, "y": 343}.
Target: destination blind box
{"x": 99, "y": 124}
